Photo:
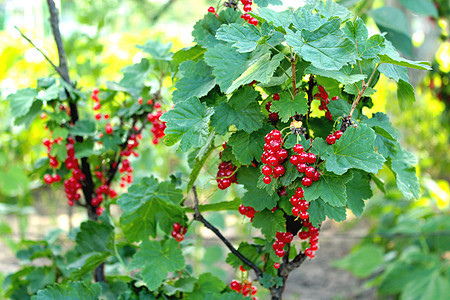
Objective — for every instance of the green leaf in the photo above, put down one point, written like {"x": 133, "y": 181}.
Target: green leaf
{"x": 157, "y": 50}
{"x": 340, "y": 108}
{"x": 196, "y": 80}
{"x": 265, "y": 3}
{"x": 207, "y": 287}
{"x": 228, "y": 64}
{"x": 200, "y": 160}
{"x": 255, "y": 197}
{"x": 83, "y": 128}
{"x": 340, "y": 75}
{"x": 423, "y": 7}
{"x": 382, "y": 126}
{"x": 319, "y": 210}
{"x": 110, "y": 142}
{"x": 184, "y": 285}
{"x": 250, "y": 251}
{"x": 21, "y": 101}
{"x": 248, "y": 146}
{"x": 59, "y": 150}
{"x": 204, "y": 32}
{"x": 187, "y": 122}
{"x": 40, "y": 277}
{"x": 86, "y": 149}
{"x": 86, "y": 264}
{"x": 403, "y": 165}
{"x": 134, "y": 77}
{"x": 73, "y": 290}
{"x": 269, "y": 222}
{"x": 95, "y": 237}
{"x": 287, "y": 107}
{"x": 330, "y": 188}
{"x": 390, "y": 55}
{"x": 269, "y": 281}
{"x": 261, "y": 71}
{"x": 244, "y": 37}
{"x": 405, "y": 94}
{"x": 192, "y": 53}
{"x": 242, "y": 111}
{"x": 391, "y": 18}
{"x": 291, "y": 173}
{"x": 330, "y": 9}
{"x": 147, "y": 204}
{"x": 325, "y": 47}
{"x": 278, "y": 19}
{"x": 219, "y": 206}
{"x": 397, "y": 276}
{"x": 50, "y": 93}
{"x": 366, "y": 47}
{"x": 156, "y": 260}
{"x": 355, "y": 150}
{"x": 394, "y": 72}
{"x": 363, "y": 261}
{"x": 351, "y": 89}
{"x": 29, "y": 117}
{"x": 358, "y": 189}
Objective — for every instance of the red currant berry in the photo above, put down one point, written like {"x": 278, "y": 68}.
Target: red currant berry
{"x": 247, "y": 7}
{"x": 288, "y": 237}
{"x": 98, "y": 116}
{"x": 254, "y": 290}
{"x": 250, "y": 213}
{"x": 177, "y": 227}
{"x": 272, "y": 160}
{"x": 314, "y": 247}
{"x": 253, "y": 21}
{"x": 295, "y": 201}
{"x": 278, "y": 170}
{"x": 226, "y": 182}
{"x": 242, "y": 209}
{"x": 303, "y": 157}
{"x": 276, "y": 134}
{"x": 316, "y": 176}
{"x": 99, "y": 211}
{"x": 48, "y": 179}
{"x": 174, "y": 233}
{"x": 179, "y": 237}
{"x": 296, "y": 211}
{"x": 211, "y": 9}
{"x": 304, "y": 215}
{"x": 309, "y": 172}
{"x": 273, "y": 116}
{"x": 338, "y": 134}
{"x": 331, "y": 139}
{"x": 235, "y": 285}
{"x": 276, "y": 97}
{"x": 108, "y": 129}
{"x": 306, "y": 181}
{"x": 301, "y": 168}
{"x": 280, "y": 253}
{"x": 294, "y": 160}
{"x": 309, "y": 252}
{"x": 266, "y": 170}
{"x": 303, "y": 235}
{"x": 299, "y": 192}
{"x": 276, "y": 265}
{"x": 282, "y": 154}
{"x": 267, "y": 179}
{"x": 56, "y": 178}
{"x": 311, "y": 158}
{"x": 298, "y": 148}
{"x": 278, "y": 245}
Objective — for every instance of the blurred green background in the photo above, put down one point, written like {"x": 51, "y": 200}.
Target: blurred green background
{"x": 100, "y": 38}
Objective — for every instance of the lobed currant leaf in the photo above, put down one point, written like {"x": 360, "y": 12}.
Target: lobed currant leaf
{"x": 95, "y": 237}
{"x": 269, "y": 222}
{"x": 21, "y": 101}
{"x": 358, "y": 189}
{"x": 319, "y": 210}
{"x": 248, "y": 146}
{"x": 331, "y": 188}
{"x": 287, "y": 107}
{"x": 71, "y": 290}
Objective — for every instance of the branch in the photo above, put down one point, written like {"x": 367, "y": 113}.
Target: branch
{"x": 38, "y": 49}
{"x": 294, "y": 83}
{"x": 198, "y": 217}
{"x": 364, "y": 87}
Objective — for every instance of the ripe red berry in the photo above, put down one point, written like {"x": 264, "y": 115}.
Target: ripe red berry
{"x": 48, "y": 179}
{"x": 303, "y": 235}
{"x": 306, "y": 181}
{"x": 278, "y": 170}
{"x": 309, "y": 253}
{"x": 211, "y": 9}
{"x": 179, "y": 237}
{"x": 99, "y": 210}
{"x": 273, "y": 116}
{"x": 316, "y": 176}
{"x": 235, "y": 285}
{"x": 299, "y": 192}
{"x": 108, "y": 129}
{"x": 280, "y": 253}
{"x": 338, "y": 134}
{"x": 276, "y": 134}
{"x": 247, "y": 7}
{"x": 276, "y": 265}
{"x": 303, "y": 157}
{"x": 98, "y": 116}
{"x": 296, "y": 211}
{"x": 282, "y": 154}
{"x": 314, "y": 247}
{"x": 304, "y": 215}
{"x": 311, "y": 158}
{"x": 272, "y": 160}
{"x": 294, "y": 160}
{"x": 176, "y": 227}
{"x": 276, "y": 96}
{"x": 250, "y": 213}
{"x": 288, "y": 237}
{"x": 266, "y": 170}
{"x": 278, "y": 245}
{"x": 242, "y": 209}
{"x": 140, "y": 100}
{"x": 301, "y": 168}
{"x": 309, "y": 172}
{"x": 331, "y": 139}
{"x": 56, "y": 178}
{"x": 267, "y": 179}
{"x": 298, "y": 148}
{"x": 253, "y": 21}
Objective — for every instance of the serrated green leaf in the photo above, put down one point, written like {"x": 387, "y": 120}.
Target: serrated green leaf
{"x": 291, "y": 173}
{"x": 306, "y": 18}
{"x": 250, "y": 251}
{"x": 394, "y": 72}
{"x": 86, "y": 149}
{"x": 184, "y": 285}
{"x": 340, "y": 75}
{"x": 204, "y": 32}
{"x": 355, "y": 149}
{"x": 110, "y": 142}
{"x": 73, "y": 290}
{"x": 60, "y": 151}
{"x": 41, "y": 277}
{"x": 21, "y": 101}
{"x": 325, "y": 47}
{"x": 156, "y": 260}
{"x": 351, "y": 89}
{"x": 29, "y": 117}
{"x": 366, "y": 47}
{"x": 382, "y": 126}
{"x": 196, "y": 80}
{"x": 287, "y": 107}
{"x": 358, "y": 189}
{"x": 278, "y": 19}
{"x": 207, "y": 287}
{"x": 248, "y": 146}
{"x": 242, "y": 111}
{"x": 45, "y": 82}
{"x": 134, "y": 77}
{"x": 265, "y": 3}
{"x": 200, "y": 160}
{"x": 269, "y": 222}
{"x": 319, "y": 210}
{"x": 405, "y": 94}
{"x": 51, "y": 93}
{"x": 403, "y": 165}
{"x": 330, "y": 188}
{"x": 95, "y": 237}
{"x": 86, "y": 263}
{"x": 219, "y": 206}
{"x": 330, "y": 9}
{"x": 255, "y": 197}
{"x": 83, "y": 128}
{"x": 269, "y": 281}
{"x": 398, "y": 275}
{"x": 188, "y": 123}
{"x": 390, "y": 55}
{"x": 192, "y": 53}
{"x": 157, "y": 50}
{"x": 244, "y": 37}
{"x": 147, "y": 204}
{"x": 363, "y": 261}
{"x": 261, "y": 71}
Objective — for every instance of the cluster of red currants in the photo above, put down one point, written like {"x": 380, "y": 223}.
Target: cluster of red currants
{"x": 132, "y": 143}
{"x": 247, "y": 211}
{"x": 158, "y": 125}
{"x": 313, "y": 234}
{"x": 273, "y": 156}
{"x": 213, "y": 11}
{"x": 226, "y": 175}
{"x": 324, "y": 98}
{"x": 332, "y": 138}
{"x": 178, "y": 232}
{"x": 245, "y": 288}
{"x": 53, "y": 161}
{"x": 301, "y": 159}
{"x": 127, "y": 171}
{"x": 73, "y": 184}
{"x": 96, "y": 99}
{"x": 283, "y": 238}
{"x": 248, "y": 8}
{"x": 273, "y": 116}
{"x": 300, "y": 206}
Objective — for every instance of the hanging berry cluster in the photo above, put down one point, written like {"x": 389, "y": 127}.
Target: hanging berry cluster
{"x": 273, "y": 156}
{"x": 311, "y": 232}
{"x": 226, "y": 175}
{"x": 324, "y": 98}
{"x": 53, "y": 161}
{"x": 332, "y": 138}
{"x": 213, "y": 11}
{"x": 245, "y": 288}
{"x": 96, "y": 100}
{"x": 126, "y": 170}
{"x": 283, "y": 238}
{"x": 158, "y": 126}
{"x": 248, "y": 8}
{"x": 73, "y": 184}
{"x": 247, "y": 211}
{"x": 178, "y": 232}
{"x": 301, "y": 159}
{"x": 273, "y": 116}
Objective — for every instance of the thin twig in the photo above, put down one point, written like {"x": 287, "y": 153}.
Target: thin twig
{"x": 361, "y": 93}
{"x": 198, "y": 217}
